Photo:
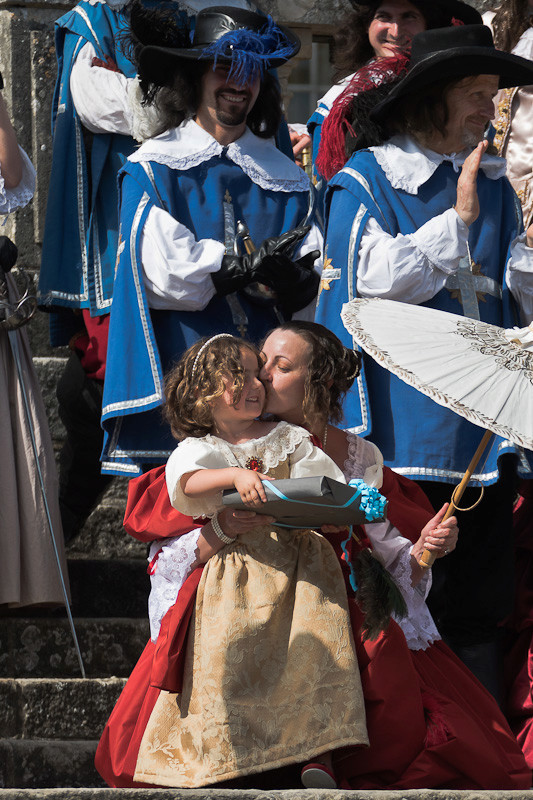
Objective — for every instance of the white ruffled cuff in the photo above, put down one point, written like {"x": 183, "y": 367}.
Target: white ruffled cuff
{"x": 419, "y": 629}
{"x": 20, "y": 196}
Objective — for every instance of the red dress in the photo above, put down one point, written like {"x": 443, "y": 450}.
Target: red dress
{"x": 431, "y": 724}
{"x": 519, "y": 655}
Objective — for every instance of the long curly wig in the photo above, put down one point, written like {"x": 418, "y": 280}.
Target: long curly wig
{"x": 167, "y": 25}
{"x": 510, "y": 21}
{"x": 331, "y": 371}
{"x": 192, "y": 386}
{"x": 352, "y": 49}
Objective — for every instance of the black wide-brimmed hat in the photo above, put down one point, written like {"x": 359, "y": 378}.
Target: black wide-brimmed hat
{"x": 249, "y": 41}
{"x": 464, "y": 12}
{"x": 455, "y": 53}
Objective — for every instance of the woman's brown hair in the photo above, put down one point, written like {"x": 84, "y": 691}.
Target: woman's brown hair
{"x": 192, "y": 385}
{"x": 331, "y": 371}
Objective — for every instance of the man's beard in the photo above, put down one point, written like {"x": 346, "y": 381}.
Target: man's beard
{"x": 233, "y": 114}
{"x": 471, "y": 139}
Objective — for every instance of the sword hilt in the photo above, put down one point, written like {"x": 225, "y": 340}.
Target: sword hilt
{"x": 13, "y": 314}
{"x": 244, "y": 233}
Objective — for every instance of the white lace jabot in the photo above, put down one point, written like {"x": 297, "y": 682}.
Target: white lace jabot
{"x": 189, "y": 145}
{"x": 408, "y": 166}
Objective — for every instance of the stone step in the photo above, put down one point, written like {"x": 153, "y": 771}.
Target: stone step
{"x": 109, "y": 588}
{"x": 103, "y": 536}
{"x": 101, "y": 588}
{"x": 46, "y": 709}
{"x": 43, "y": 647}
{"x": 255, "y": 794}
{"x": 34, "y": 764}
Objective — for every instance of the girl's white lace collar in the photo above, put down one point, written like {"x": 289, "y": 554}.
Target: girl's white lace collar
{"x": 273, "y": 448}
{"x": 189, "y": 145}
{"x": 408, "y": 166}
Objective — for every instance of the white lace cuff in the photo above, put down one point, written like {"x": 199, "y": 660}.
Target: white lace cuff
{"x": 171, "y": 569}
{"x": 20, "y": 196}
{"x": 419, "y": 629}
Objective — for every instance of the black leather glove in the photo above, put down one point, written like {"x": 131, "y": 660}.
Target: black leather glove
{"x": 295, "y": 282}
{"x": 236, "y": 272}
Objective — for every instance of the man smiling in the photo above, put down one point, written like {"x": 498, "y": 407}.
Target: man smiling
{"x": 426, "y": 215}
{"x": 189, "y": 198}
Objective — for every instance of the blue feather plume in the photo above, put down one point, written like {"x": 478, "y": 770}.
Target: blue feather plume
{"x": 250, "y": 51}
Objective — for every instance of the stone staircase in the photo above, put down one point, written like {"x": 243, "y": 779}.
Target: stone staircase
{"x": 50, "y": 718}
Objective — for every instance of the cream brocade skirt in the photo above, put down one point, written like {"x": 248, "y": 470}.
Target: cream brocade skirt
{"x": 271, "y": 676}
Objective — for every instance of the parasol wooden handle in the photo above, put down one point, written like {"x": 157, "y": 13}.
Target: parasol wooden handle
{"x": 427, "y": 558}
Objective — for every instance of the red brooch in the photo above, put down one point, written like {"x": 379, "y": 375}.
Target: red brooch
{"x": 256, "y": 464}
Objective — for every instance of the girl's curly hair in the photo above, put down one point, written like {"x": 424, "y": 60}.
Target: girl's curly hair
{"x": 189, "y": 393}
{"x": 331, "y": 371}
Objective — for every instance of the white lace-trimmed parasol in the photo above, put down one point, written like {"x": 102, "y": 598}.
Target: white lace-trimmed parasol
{"x": 480, "y": 371}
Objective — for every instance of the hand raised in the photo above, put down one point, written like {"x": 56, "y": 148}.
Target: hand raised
{"x": 467, "y": 205}
{"x": 439, "y": 537}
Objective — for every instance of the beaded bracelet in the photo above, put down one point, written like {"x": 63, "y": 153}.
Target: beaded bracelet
{"x": 215, "y": 524}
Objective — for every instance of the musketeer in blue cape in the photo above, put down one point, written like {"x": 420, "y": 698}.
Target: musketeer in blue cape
{"x": 407, "y": 221}
{"x": 217, "y": 228}
{"x": 93, "y": 121}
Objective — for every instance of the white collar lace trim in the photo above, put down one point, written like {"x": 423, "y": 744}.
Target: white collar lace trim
{"x": 189, "y": 145}
{"x": 273, "y": 448}
{"x": 408, "y": 166}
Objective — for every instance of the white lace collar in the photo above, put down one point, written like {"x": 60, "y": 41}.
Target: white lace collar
{"x": 408, "y": 166}
{"x": 189, "y": 145}
{"x": 272, "y": 448}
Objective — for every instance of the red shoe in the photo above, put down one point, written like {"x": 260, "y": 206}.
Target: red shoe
{"x": 318, "y": 776}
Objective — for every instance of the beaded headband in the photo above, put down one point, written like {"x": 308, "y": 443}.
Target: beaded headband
{"x": 203, "y": 347}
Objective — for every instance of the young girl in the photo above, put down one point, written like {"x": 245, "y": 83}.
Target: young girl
{"x": 270, "y": 675}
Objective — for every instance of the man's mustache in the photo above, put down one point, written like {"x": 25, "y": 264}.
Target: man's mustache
{"x": 230, "y": 90}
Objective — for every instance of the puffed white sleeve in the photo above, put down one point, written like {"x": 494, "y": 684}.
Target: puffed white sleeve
{"x": 519, "y": 277}
{"x": 20, "y": 195}
{"x": 177, "y": 267}
{"x": 308, "y": 461}
{"x": 413, "y": 267}
{"x": 100, "y": 95}
{"x": 190, "y": 456}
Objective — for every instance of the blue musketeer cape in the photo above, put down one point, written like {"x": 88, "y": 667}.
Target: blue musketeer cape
{"x": 208, "y": 198}
{"x": 417, "y": 437}
{"x": 81, "y": 229}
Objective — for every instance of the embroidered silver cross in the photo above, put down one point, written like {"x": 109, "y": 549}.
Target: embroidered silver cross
{"x": 469, "y": 285}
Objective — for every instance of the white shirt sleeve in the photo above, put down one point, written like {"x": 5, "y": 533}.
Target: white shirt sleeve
{"x": 313, "y": 241}
{"x": 411, "y": 268}
{"x": 520, "y": 277}
{"x": 19, "y": 196}
{"x": 177, "y": 267}
{"x": 100, "y": 95}
{"x": 192, "y": 455}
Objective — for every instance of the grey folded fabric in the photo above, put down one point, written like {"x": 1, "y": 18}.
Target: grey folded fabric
{"x": 312, "y": 502}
